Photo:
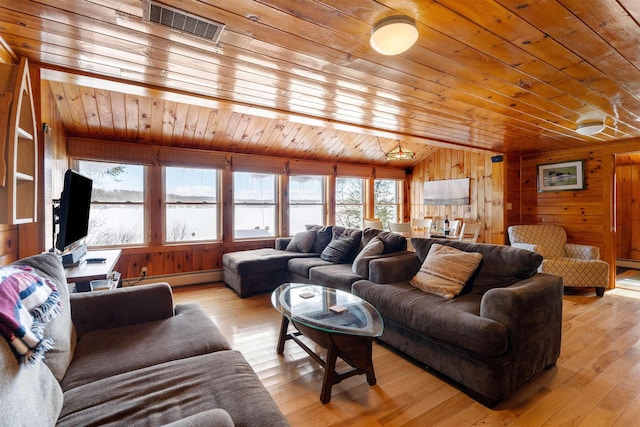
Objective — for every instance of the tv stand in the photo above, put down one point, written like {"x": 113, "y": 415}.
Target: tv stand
{"x": 83, "y": 273}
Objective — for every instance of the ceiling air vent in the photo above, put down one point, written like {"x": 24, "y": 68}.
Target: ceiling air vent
{"x": 182, "y": 21}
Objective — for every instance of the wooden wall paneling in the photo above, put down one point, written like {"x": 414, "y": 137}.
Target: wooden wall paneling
{"x": 628, "y": 211}
{"x": 513, "y": 184}
{"x": 8, "y": 244}
{"x": 487, "y": 186}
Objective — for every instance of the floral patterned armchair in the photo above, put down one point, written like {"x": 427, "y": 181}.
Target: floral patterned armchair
{"x": 578, "y": 265}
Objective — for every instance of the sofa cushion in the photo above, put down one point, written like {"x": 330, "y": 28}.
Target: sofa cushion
{"x": 446, "y": 270}
{"x": 339, "y": 249}
{"x": 107, "y": 352}
{"x": 374, "y": 247}
{"x": 167, "y": 392}
{"x": 324, "y": 234}
{"x": 454, "y": 321}
{"x": 213, "y": 417}
{"x": 60, "y": 329}
{"x": 301, "y": 266}
{"x": 258, "y": 260}
{"x": 302, "y": 241}
{"x": 29, "y": 395}
{"x": 338, "y": 276}
{"x": 501, "y": 265}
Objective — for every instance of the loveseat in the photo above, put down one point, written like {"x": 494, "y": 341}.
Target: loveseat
{"x": 129, "y": 357}
{"x": 331, "y": 256}
{"x": 502, "y": 328}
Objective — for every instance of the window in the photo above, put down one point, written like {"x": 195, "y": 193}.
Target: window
{"x": 254, "y": 205}
{"x": 385, "y": 200}
{"x": 306, "y": 201}
{"x": 191, "y": 204}
{"x": 349, "y": 202}
{"x": 117, "y": 203}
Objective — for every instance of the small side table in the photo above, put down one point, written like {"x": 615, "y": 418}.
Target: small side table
{"x": 83, "y": 273}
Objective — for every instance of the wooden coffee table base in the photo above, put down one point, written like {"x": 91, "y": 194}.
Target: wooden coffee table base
{"x": 353, "y": 349}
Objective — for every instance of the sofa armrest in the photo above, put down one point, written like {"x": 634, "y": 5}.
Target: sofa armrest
{"x": 361, "y": 266}
{"x": 282, "y": 242}
{"x": 528, "y": 246}
{"x": 575, "y": 250}
{"x": 531, "y": 309}
{"x": 92, "y": 311}
{"x": 394, "y": 268}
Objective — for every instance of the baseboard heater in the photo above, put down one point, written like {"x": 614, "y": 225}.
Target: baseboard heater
{"x": 629, "y": 263}
{"x": 178, "y": 279}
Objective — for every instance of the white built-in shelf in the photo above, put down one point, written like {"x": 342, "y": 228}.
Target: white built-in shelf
{"x": 18, "y": 145}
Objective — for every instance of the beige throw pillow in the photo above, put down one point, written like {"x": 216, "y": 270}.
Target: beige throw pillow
{"x": 446, "y": 270}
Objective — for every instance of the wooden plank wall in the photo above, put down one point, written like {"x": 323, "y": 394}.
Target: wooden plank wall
{"x": 587, "y": 215}
{"x": 628, "y": 211}
{"x": 487, "y": 187}
{"x": 581, "y": 212}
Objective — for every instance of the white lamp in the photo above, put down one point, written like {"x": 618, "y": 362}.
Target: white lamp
{"x": 590, "y": 128}
{"x": 393, "y": 35}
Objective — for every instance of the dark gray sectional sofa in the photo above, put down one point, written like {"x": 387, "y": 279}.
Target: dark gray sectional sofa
{"x": 261, "y": 270}
{"x": 503, "y": 328}
{"x": 130, "y": 357}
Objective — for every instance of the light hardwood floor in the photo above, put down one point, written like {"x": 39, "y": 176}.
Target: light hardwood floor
{"x": 595, "y": 383}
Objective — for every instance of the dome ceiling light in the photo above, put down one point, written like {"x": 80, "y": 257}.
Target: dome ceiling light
{"x": 590, "y": 128}
{"x": 394, "y": 35}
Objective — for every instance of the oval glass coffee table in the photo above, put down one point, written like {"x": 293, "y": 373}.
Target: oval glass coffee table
{"x": 342, "y": 323}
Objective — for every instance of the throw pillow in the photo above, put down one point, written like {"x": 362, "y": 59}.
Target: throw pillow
{"x": 446, "y": 270}
{"x": 324, "y": 234}
{"x": 302, "y": 241}
{"x": 338, "y": 249}
{"x": 374, "y": 247}
{"x": 393, "y": 242}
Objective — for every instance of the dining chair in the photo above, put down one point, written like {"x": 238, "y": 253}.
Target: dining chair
{"x": 470, "y": 232}
{"x": 373, "y": 223}
{"x": 400, "y": 227}
{"x": 422, "y": 225}
{"x": 454, "y": 227}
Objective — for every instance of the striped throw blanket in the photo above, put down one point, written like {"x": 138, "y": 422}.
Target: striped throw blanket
{"x": 27, "y": 303}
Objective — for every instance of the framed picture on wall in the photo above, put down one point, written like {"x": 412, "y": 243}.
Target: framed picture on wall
{"x": 561, "y": 176}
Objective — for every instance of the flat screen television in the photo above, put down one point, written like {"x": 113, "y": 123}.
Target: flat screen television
{"x": 73, "y": 211}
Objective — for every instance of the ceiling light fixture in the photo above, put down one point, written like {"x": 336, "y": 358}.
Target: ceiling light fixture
{"x": 394, "y": 35}
{"x": 590, "y": 128}
{"x": 397, "y": 153}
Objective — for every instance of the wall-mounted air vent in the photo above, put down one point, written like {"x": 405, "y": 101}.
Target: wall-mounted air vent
{"x": 182, "y": 21}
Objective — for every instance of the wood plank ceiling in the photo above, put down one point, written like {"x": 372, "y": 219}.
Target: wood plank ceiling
{"x": 297, "y": 78}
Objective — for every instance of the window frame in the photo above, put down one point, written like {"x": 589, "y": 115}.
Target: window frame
{"x": 146, "y": 227}
{"x": 362, "y": 204}
{"x": 397, "y": 204}
{"x": 277, "y": 202}
{"x": 322, "y": 203}
{"x": 218, "y": 203}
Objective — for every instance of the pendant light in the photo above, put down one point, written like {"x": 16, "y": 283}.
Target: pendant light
{"x": 398, "y": 153}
